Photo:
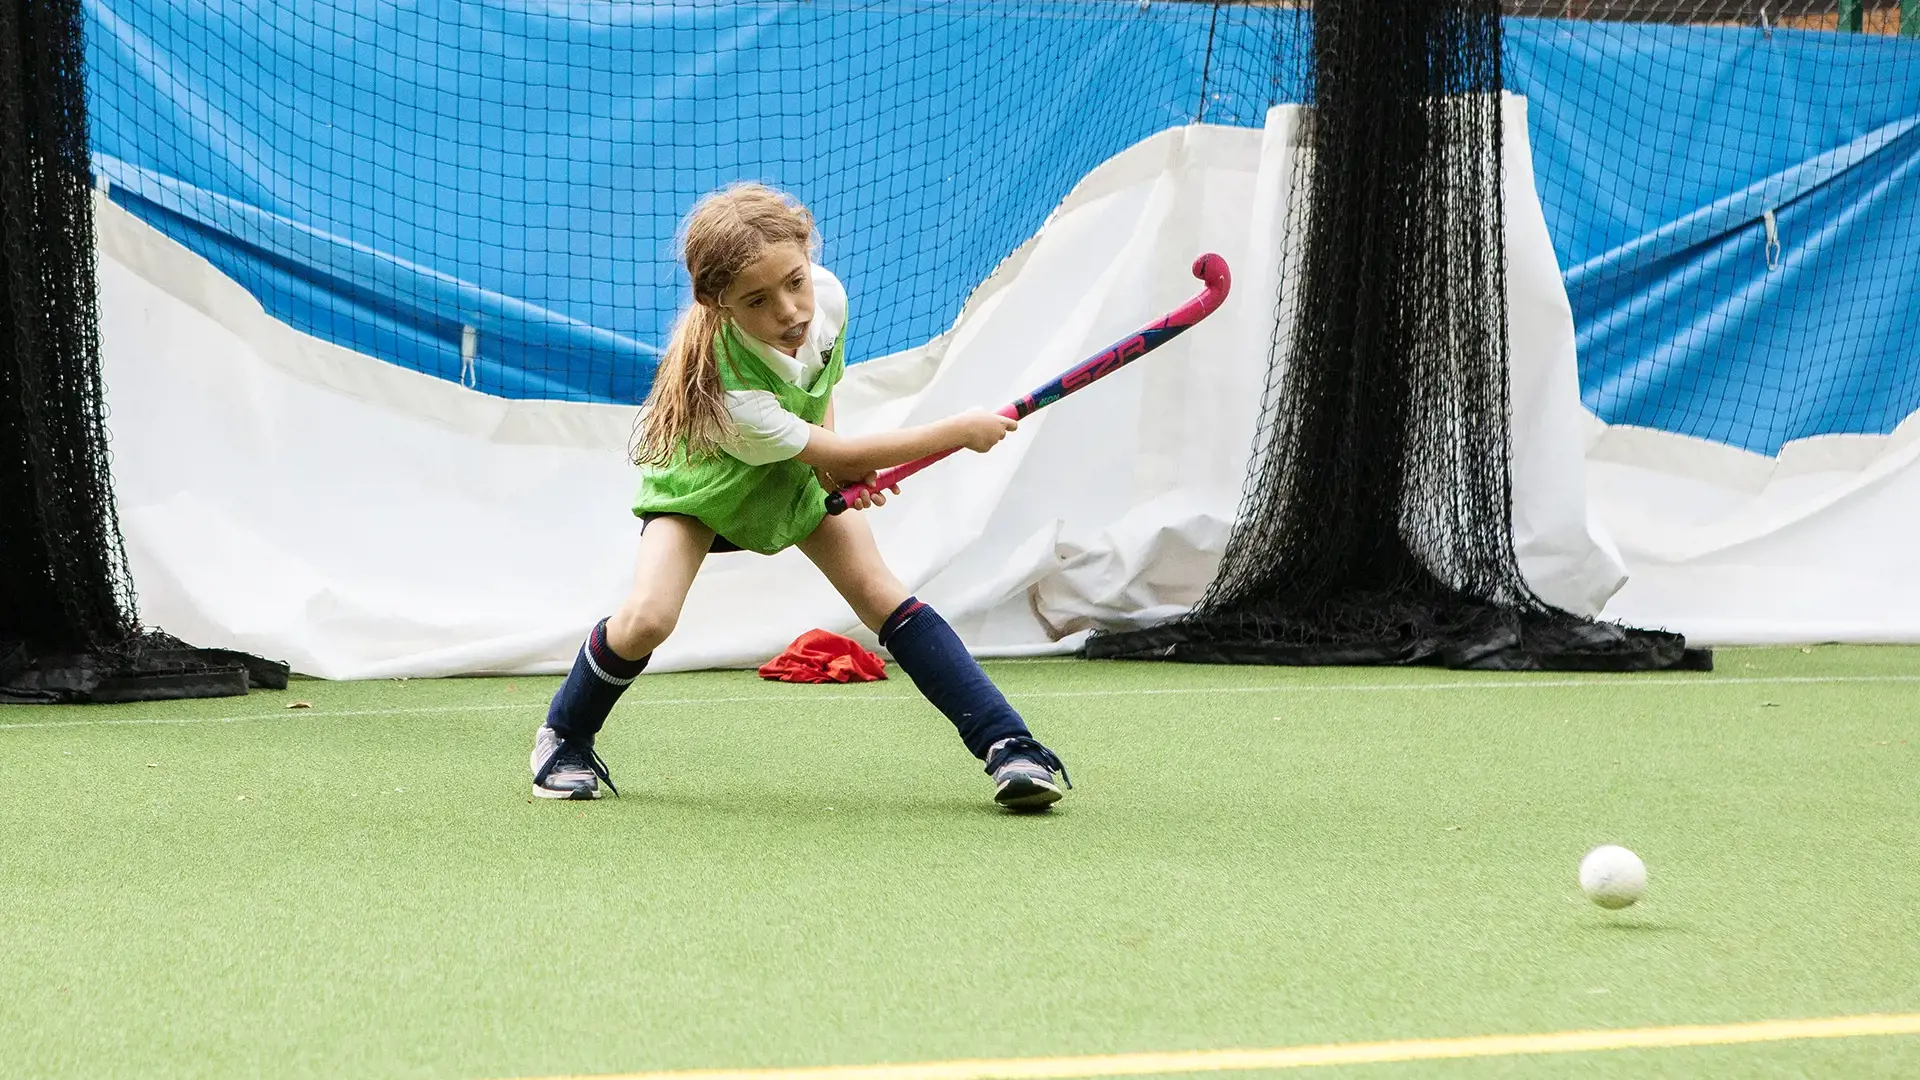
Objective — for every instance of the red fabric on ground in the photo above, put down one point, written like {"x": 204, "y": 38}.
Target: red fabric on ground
{"x": 817, "y": 656}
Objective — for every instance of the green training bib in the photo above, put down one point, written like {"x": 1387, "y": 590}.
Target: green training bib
{"x": 763, "y": 508}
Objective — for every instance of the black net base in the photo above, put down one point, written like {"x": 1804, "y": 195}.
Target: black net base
{"x": 1383, "y": 630}
{"x": 151, "y": 667}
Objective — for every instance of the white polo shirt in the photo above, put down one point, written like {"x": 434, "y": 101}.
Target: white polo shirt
{"x": 765, "y": 432}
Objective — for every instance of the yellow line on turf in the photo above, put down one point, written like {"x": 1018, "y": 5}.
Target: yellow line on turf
{"x": 1300, "y": 1057}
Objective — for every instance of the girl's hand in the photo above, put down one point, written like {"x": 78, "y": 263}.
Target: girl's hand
{"x": 873, "y": 497}
{"x": 980, "y": 430}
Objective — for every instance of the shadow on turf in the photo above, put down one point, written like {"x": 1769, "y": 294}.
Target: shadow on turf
{"x": 789, "y": 805}
{"x": 1611, "y": 927}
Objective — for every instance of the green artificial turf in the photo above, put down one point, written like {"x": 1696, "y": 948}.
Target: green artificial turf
{"x": 1253, "y": 857}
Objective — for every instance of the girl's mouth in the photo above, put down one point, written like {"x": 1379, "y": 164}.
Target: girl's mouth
{"x": 794, "y": 336}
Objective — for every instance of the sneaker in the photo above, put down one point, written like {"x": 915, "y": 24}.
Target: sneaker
{"x": 1022, "y": 772}
{"x": 567, "y": 768}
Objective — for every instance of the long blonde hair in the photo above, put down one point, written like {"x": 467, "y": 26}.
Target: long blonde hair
{"x": 726, "y": 233}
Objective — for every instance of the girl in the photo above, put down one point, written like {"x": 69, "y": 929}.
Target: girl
{"x": 737, "y": 448}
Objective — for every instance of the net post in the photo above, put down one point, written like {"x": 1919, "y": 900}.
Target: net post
{"x": 1853, "y": 12}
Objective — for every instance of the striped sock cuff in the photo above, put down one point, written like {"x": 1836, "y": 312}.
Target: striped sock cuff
{"x": 907, "y": 610}
{"x": 610, "y": 666}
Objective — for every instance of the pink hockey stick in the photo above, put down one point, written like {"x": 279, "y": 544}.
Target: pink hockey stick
{"x": 1211, "y": 269}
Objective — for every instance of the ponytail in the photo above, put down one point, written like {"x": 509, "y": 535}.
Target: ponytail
{"x": 687, "y": 402}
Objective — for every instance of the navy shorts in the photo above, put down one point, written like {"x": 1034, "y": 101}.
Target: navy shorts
{"x": 721, "y": 545}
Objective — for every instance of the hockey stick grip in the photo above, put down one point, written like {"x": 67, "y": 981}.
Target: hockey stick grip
{"x": 1209, "y": 268}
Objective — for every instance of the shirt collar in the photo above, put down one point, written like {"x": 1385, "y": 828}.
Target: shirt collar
{"x": 791, "y": 368}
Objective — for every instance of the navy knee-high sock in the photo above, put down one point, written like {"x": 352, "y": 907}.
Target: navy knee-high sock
{"x": 598, "y": 678}
{"x": 930, "y": 653}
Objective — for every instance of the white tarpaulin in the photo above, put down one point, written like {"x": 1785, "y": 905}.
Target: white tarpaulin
{"x": 1731, "y": 547}
{"x": 287, "y": 497}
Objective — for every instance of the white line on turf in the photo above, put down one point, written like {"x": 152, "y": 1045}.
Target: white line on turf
{"x": 858, "y": 697}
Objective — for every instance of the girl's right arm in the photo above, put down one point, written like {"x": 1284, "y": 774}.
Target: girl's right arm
{"x": 862, "y": 455}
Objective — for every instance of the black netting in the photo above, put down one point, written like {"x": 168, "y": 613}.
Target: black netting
{"x": 68, "y": 626}
{"x": 1376, "y": 524}
{"x": 488, "y": 192}
{"x": 1733, "y": 193}
{"x": 65, "y": 582}
{"x": 1876, "y": 16}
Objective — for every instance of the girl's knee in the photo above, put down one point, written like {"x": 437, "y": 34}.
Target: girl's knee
{"x": 638, "y": 629}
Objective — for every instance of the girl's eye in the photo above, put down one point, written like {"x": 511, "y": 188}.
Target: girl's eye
{"x": 756, "y": 301}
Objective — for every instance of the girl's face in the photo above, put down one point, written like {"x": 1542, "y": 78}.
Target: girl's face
{"x": 772, "y": 299}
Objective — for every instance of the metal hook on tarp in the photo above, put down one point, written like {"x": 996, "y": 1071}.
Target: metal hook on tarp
{"x": 469, "y": 355}
{"x": 1773, "y": 240}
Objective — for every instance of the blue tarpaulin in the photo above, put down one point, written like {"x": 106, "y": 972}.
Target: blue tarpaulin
{"x": 385, "y": 175}
{"x": 400, "y": 178}
{"x": 1662, "y": 152}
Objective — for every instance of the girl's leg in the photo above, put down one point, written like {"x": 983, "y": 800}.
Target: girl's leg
{"x": 615, "y": 652}
{"x": 843, "y": 548}
{"x": 931, "y": 654}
